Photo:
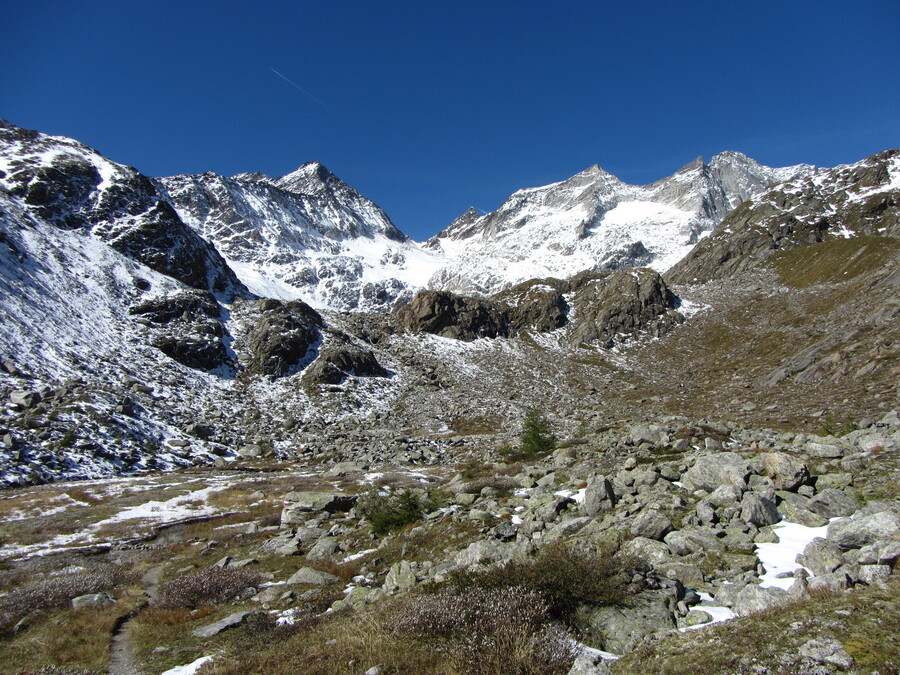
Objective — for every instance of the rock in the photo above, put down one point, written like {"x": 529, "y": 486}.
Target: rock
{"x": 453, "y": 316}
{"x": 826, "y": 650}
{"x": 589, "y": 664}
{"x": 598, "y": 497}
{"x": 758, "y": 510}
{"x": 880, "y": 553}
{"x": 838, "y": 481}
{"x": 824, "y": 450}
{"x": 786, "y": 471}
{"x": 282, "y": 336}
{"x": 697, "y": 617}
{"x": 399, "y": 578}
{"x": 753, "y": 598}
{"x": 650, "y": 550}
{"x": 831, "y": 503}
{"x": 505, "y": 531}
{"x": 821, "y": 556}
{"x": 230, "y": 621}
{"x": 726, "y": 495}
{"x": 336, "y": 363}
{"x": 690, "y": 576}
{"x": 620, "y": 629}
{"x": 685, "y": 542}
{"x": 92, "y": 600}
{"x": 623, "y": 303}
{"x": 869, "y": 574}
{"x": 566, "y": 527}
{"x": 323, "y": 549}
{"x": 711, "y": 471}
{"x": 485, "y": 552}
{"x": 795, "y": 512}
{"x": 25, "y": 399}
{"x": 863, "y": 531}
{"x": 308, "y": 575}
{"x": 300, "y": 504}
{"x": 836, "y": 581}
{"x": 651, "y": 524}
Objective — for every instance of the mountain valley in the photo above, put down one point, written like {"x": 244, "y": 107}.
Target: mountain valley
{"x": 256, "y": 366}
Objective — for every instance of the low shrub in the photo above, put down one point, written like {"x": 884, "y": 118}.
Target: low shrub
{"x": 206, "y": 587}
{"x": 488, "y": 630}
{"x": 57, "y": 590}
{"x": 565, "y": 575}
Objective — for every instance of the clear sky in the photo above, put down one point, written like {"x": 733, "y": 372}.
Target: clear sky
{"x": 430, "y": 107}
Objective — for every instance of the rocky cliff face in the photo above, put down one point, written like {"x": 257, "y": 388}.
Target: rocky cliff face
{"x": 70, "y": 186}
{"x": 307, "y": 235}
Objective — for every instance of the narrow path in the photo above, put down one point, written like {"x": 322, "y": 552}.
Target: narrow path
{"x": 121, "y": 653}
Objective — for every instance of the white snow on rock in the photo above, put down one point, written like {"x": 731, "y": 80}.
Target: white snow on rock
{"x": 189, "y": 669}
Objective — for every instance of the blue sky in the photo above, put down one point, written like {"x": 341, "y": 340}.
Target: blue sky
{"x": 430, "y": 107}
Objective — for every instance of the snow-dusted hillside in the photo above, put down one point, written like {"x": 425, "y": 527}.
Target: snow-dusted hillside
{"x": 593, "y": 220}
{"x": 307, "y": 235}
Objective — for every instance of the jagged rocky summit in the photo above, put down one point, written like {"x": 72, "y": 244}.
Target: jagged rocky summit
{"x": 594, "y": 221}
{"x": 309, "y": 236}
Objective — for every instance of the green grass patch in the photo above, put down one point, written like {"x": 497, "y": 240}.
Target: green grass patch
{"x": 834, "y": 260}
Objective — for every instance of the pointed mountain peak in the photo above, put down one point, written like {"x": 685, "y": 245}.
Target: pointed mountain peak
{"x": 693, "y": 166}
{"x": 310, "y": 178}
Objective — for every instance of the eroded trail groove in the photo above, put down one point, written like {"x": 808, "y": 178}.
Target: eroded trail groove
{"x": 121, "y": 656}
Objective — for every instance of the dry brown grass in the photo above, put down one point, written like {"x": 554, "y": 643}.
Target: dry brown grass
{"x": 66, "y": 638}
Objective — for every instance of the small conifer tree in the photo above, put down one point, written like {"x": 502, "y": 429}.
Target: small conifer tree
{"x": 536, "y": 438}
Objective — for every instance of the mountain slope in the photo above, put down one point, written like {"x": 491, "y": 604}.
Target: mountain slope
{"x": 595, "y": 221}
{"x": 848, "y": 201}
{"x": 307, "y": 235}
{"x": 72, "y": 187}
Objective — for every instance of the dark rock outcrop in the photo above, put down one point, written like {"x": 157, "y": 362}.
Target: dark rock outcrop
{"x": 335, "y": 364}
{"x": 183, "y": 305}
{"x": 282, "y": 337}
{"x": 623, "y": 304}
{"x": 454, "y": 316}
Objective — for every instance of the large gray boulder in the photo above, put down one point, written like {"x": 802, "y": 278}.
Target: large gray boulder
{"x": 685, "y": 542}
{"x": 620, "y": 629}
{"x": 860, "y": 532}
{"x": 711, "y": 471}
{"x": 754, "y": 598}
{"x": 300, "y": 504}
{"x": 786, "y": 471}
{"x": 589, "y": 664}
{"x": 821, "y": 556}
{"x": 281, "y": 338}
{"x": 648, "y": 550}
{"x": 399, "y": 578}
{"x": 651, "y": 524}
{"x": 726, "y": 495}
{"x": 599, "y": 496}
{"x": 832, "y": 503}
{"x": 453, "y": 316}
{"x": 92, "y": 600}
{"x": 308, "y": 575}
{"x": 230, "y": 621}
{"x": 758, "y": 510}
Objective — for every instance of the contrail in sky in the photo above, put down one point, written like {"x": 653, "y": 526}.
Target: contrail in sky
{"x": 297, "y": 86}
